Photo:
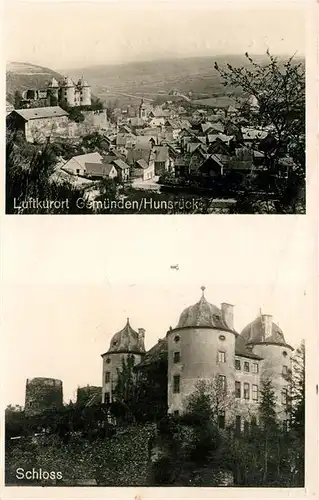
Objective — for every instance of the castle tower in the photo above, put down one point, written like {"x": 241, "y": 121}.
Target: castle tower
{"x": 85, "y": 92}
{"x": 127, "y": 342}
{"x": 53, "y": 92}
{"x": 43, "y": 394}
{"x": 202, "y": 346}
{"x": 267, "y": 340}
{"x": 67, "y": 96}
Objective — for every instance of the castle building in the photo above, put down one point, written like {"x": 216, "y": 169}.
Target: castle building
{"x": 204, "y": 346}
{"x": 127, "y": 342}
{"x": 64, "y": 92}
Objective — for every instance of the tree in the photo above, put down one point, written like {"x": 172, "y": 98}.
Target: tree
{"x": 297, "y": 380}
{"x": 17, "y": 99}
{"x": 209, "y": 401}
{"x": 279, "y": 89}
{"x": 29, "y": 175}
{"x": 125, "y": 390}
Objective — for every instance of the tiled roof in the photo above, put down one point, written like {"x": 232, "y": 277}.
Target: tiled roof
{"x": 157, "y": 353}
{"x": 126, "y": 340}
{"x": 120, "y": 164}
{"x": 202, "y": 314}
{"x": 254, "y": 332}
{"x": 137, "y": 154}
{"x": 98, "y": 169}
{"x": 242, "y": 350}
{"x": 142, "y": 164}
{"x": 36, "y": 113}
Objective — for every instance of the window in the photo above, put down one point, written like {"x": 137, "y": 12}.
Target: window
{"x": 284, "y": 394}
{"x": 238, "y": 424}
{"x": 176, "y": 413}
{"x": 77, "y": 170}
{"x": 221, "y": 420}
{"x": 222, "y": 382}
{"x": 285, "y": 370}
{"x": 222, "y": 337}
{"x": 107, "y": 377}
{"x": 221, "y": 357}
{"x": 237, "y": 389}
{"x": 108, "y": 360}
{"x": 176, "y": 338}
{"x": 176, "y": 386}
{"x": 255, "y": 368}
{"x": 246, "y": 390}
{"x": 255, "y": 392}
{"x": 237, "y": 364}
{"x": 246, "y": 366}
{"x": 246, "y": 426}
{"x": 177, "y": 357}
{"x": 284, "y": 353}
{"x": 106, "y": 397}
{"x": 253, "y": 420}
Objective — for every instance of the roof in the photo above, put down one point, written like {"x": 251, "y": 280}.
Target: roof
{"x": 161, "y": 153}
{"x": 255, "y": 332}
{"x": 242, "y": 350}
{"x": 37, "y": 113}
{"x": 98, "y": 169}
{"x": 251, "y": 133}
{"x": 126, "y": 340}
{"x": 82, "y": 160}
{"x": 145, "y": 142}
{"x": 120, "y": 164}
{"x": 202, "y": 314}
{"x": 142, "y": 164}
{"x": 156, "y": 354}
{"x": 137, "y": 154}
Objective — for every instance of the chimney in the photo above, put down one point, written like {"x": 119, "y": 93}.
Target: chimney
{"x": 266, "y": 321}
{"x": 228, "y": 314}
{"x": 141, "y": 335}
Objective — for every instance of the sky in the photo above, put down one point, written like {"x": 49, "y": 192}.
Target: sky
{"x": 69, "y": 283}
{"x": 64, "y": 35}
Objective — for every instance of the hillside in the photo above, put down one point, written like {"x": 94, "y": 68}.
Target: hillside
{"x": 195, "y": 75}
{"x": 23, "y": 76}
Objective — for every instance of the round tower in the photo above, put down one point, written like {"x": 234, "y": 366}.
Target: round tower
{"x": 67, "y": 91}
{"x": 53, "y": 92}
{"x": 43, "y": 394}
{"x": 201, "y": 347}
{"x": 267, "y": 340}
{"x": 127, "y": 342}
{"x": 85, "y": 92}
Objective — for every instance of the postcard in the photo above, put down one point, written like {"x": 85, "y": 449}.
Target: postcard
{"x": 155, "y": 108}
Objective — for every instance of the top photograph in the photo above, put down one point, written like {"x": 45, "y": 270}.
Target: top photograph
{"x": 155, "y": 108}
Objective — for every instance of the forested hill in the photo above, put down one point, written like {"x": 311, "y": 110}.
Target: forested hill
{"x": 22, "y": 76}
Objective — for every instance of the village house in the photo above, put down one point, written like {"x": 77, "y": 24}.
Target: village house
{"x": 142, "y": 163}
{"x": 163, "y": 160}
{"x": 37, "y": 124}
{"x": 122, "y": 168}
{"x": 100, "y": 170}
{"x": 77, "y": 165}
{"x": 143, "y": 170}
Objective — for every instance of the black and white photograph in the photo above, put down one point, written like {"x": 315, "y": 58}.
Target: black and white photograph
{"x": 184, "y": 372}
{"x": 155, "y": 108}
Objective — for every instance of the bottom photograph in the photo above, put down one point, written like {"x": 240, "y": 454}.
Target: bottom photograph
{"x": 146, "y": 386}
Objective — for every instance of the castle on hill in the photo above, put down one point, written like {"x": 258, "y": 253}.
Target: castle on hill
{"x": 62, "y": 93}
{"x": 205, "y": 346}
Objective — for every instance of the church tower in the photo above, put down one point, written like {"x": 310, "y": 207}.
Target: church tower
{"x": 127, "y": 342}
{"x": 143, "y": 110}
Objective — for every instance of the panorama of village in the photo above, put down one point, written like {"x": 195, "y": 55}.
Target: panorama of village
{"x": 77, "y": 147}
